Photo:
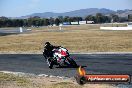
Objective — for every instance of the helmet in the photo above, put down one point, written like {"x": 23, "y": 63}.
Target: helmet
{"x": 47, "y": 44}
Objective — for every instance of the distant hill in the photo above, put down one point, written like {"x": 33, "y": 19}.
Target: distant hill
{"x": 123, "y": 13}
{"x": 81, "y": 13}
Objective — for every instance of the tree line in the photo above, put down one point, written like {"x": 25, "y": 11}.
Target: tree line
{"x": 37, "y": 21}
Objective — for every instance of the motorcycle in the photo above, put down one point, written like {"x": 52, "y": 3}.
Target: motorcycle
{"x": 61, "y": 57}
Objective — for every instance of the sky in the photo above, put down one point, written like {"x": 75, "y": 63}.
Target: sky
{"x": 17, "y": 8}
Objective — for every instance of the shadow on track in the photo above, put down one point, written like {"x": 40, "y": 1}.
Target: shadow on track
{"x": 70, "y": 66}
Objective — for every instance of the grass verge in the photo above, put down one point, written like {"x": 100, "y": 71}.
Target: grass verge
{"x": 12, "y": 79}
{"x": 65, "y": 85}
{"x": 81, "y": 38}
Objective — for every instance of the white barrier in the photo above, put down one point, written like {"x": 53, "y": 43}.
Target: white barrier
{"x": 21, "y": 30}
{"x": 60, "y": 27}
{"x": 116, "y": 28}
{"x": 74, "y": 23}
{"x": 82, "y": 22}
{"x": 29, "y": 29}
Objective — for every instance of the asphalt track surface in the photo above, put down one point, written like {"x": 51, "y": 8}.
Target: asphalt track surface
{"x": 96, "y": 64}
